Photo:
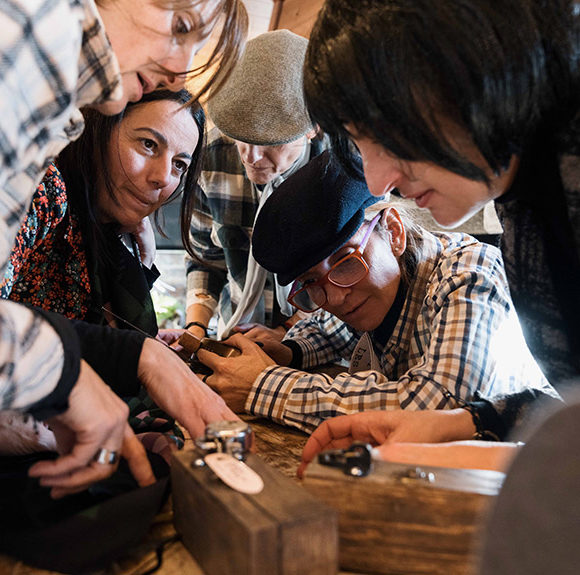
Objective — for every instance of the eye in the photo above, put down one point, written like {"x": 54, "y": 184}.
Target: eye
{"x": 181, "y": 25}
{"x": 181, "y": 166}
{"x": 148, "y": 144}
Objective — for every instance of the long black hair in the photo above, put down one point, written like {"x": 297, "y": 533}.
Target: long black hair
{"x": 84, "y": 163}
{"x": 412, "y": 74}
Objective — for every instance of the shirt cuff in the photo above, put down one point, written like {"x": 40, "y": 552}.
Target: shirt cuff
{"x": 296, "y": 362}
{"x": 151, "y": 275}
{"x": 270, "y": 392}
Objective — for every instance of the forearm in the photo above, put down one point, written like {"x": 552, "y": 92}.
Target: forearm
{"x": 457, "y": 454}
{"x": 304, "y": 400}
{"x": 200, "y": 314}
{"x": 202, "y": 289}
{"x": 40, "y": 359}
{"x": 113, "y": 354}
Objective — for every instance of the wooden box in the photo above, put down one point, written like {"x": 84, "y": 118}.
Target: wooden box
{"x": 401, "y": 519}
{"x": 281, "y": 531}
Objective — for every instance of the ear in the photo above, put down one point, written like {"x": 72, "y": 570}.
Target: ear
{"x": 392, "y": 222}
{"x": 312, "y": 133}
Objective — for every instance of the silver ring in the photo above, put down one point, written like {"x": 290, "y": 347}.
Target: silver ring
{"x": 106, "y": 457}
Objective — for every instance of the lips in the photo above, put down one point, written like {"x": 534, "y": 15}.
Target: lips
{"x": 355, "y": 309}
{"x": 146, "y": 84}
{"x": 145, "y": 202}
{"x": 421, "y": 199}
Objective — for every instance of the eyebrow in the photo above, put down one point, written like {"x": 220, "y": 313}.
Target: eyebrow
{"x": 163, "y": 140}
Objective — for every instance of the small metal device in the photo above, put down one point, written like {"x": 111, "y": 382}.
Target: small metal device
{"x": 355, "y": 461}
{"x": 232, "y": 437}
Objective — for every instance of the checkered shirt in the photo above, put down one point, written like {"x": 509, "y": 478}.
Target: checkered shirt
{"x": 55, "y": 57}
{"x": 457, "y": 333}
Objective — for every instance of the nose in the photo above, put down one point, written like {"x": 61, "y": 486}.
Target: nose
{"x": 382, "y": 176}
{"x": 180, "y": 61}
{"x": 335, "y": 295}
{"x": 174, "y": 82}
{"x": 160, "y": 173}
{"x": 253, "y": 154}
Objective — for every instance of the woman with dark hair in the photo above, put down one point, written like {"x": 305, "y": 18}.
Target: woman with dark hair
{"x": 58, "y": 57}
{"x": 454, "y": 103}
{"x": 86, "y": 246}
{"x": 450, "y": 105}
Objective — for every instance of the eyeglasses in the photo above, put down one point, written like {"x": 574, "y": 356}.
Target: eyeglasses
{"x": 310, "y": 295}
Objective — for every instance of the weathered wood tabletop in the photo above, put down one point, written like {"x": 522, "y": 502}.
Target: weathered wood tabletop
{"x": 279, "y": 446}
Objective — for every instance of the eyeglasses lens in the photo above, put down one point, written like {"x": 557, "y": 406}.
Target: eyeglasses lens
{"x": 347, "y": 273}
{"x": 310, "y": 298}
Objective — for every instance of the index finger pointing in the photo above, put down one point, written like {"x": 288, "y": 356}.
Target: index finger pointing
{"x": 134, "y": 452}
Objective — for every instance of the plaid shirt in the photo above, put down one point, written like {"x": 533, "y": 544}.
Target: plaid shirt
{"x": 221, "y": 232}
{"x": 457, "y": 333}
{"x": 55, "y": 57}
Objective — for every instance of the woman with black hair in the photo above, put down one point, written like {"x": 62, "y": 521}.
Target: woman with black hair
{"x": 452, "y": 106}
{"x": 454, "y": 103}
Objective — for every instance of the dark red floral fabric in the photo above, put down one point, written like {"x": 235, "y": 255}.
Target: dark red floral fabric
{"x": 48, "y": 265}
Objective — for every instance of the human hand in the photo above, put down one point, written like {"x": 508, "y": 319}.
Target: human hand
{"x": 145, "y": 238}
{"x": 96, "y": 419}
{"x": 378, "y": 427}
{"x": 258, "y": 332}
{"x": 233, "y": 377}
{"x": 269, "y": 340}
{"x": 169, "y": 336}
{"x": 178, "y": 391}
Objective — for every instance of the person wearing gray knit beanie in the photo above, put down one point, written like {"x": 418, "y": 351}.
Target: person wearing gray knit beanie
{"x": 262, "y": 135}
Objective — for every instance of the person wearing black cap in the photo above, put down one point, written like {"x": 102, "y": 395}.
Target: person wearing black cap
{"x": 424, "y": 319}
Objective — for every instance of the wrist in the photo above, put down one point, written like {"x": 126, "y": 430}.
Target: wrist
{"x": 196, "y": 328}
{"x": 459, "y": 426}
{"x": 148, "y": 358}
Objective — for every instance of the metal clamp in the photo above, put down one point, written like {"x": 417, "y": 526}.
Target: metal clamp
{"x": 232, "y": 437}
{"x": 354, "y": 461}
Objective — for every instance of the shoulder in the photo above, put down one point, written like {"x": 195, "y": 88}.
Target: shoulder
{"x": 461, "y": 259}
{"x": 49, "y": 203}
{"x": 221, "y": 155}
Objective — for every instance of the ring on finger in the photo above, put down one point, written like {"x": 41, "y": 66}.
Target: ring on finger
{"x": 106, "y": 456}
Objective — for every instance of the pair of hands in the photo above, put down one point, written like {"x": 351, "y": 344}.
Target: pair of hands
{"x": 233, "y": 377}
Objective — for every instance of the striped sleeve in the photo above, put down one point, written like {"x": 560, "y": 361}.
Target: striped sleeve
{"x": 204, "y": 283}
{"x": 304, "y": 400}
{"x": 322, "y": 338}
{"x": 39, "y": 360}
